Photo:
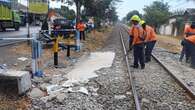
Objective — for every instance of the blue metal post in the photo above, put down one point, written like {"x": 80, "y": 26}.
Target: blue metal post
{"x": 78, "y": 40}
{"x": 36, "y": 53}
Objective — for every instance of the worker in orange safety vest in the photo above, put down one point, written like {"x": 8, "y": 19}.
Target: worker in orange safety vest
{"x": 189, "y": 30}
{"x": 137, "y": 38}
{"x": 189, "y": 42}
{"x": 81, "y": 27}
{"x": 150, "y": 40}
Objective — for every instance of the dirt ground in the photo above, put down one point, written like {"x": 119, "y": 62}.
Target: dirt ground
{"x": 93, "y": 42}
{"x": 171, "y": 44}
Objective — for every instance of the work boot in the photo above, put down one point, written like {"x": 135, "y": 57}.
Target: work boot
{"x": 143, "y": 66}
{"x": 135, "y": 66}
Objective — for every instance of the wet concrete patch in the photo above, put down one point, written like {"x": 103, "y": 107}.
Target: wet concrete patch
{"x": 85, "y": 69}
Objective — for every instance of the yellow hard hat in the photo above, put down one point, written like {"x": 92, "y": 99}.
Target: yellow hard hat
{"x": 135, "y": 18}
{"x": 142, "y": 22}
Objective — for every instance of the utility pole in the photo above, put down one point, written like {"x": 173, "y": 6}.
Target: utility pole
{"x": 27, "y": 17}
{"x": 78, "y": 7}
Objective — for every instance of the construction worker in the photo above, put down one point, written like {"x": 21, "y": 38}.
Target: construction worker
{"x": 185, "y": 51}
{"x": 81, "y": 27}
{"x": 189, "y": 43}
{"x": 137, "y": 36}
{"x": 150, "y": 40}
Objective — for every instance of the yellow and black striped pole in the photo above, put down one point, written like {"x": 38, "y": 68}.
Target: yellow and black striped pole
{"x": 55, "y": 49}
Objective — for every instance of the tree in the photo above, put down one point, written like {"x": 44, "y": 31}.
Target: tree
{"x": 100, "y": 9}
{"x": 131, "y": 13}
{"x": 157, "y": 13}
{"x": 78, "y": 4}
{"x": 66, "y": 12}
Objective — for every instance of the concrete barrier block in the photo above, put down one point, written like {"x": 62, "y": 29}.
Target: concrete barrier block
{"x": 23, "y": 79}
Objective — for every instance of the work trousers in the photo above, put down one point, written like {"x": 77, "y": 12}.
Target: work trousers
{"x": 138, "y": 53}
{"x": 148, "y": 51}
{"x": 82, "y": 35}
{"x": 185, "y": 52}
{"x": 191, "y": 48}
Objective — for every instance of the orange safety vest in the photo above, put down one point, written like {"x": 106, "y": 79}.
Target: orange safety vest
{"x": 188, "y": 29}
{"x": 137, "y": 33}
{"x": 191, "y": 39}
{"x": 81, "y": 26}
{"x": 150, "y": 34}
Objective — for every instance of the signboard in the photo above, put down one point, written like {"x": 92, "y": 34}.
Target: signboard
{"x": 38, "y": 7}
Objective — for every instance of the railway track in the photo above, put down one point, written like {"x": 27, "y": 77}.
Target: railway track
{"x": 170, "y": 72}
{"x": 131, "y": 79}
{"x": 189, "y": 91}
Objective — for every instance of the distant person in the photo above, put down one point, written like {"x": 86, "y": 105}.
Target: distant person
{"x": 137, "y": 37}
{"x": 81, "y": 27}
{"x": 189, "y": 43}
{"x": 150, "y": 40}
{"x": 91, "y": 24}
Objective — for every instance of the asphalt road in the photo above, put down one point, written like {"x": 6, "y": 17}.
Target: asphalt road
{"x": 10, "y": 33}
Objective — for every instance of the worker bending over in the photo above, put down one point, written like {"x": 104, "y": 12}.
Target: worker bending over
{"x": 137, "y": 36}
{"x": 150, "y": 40}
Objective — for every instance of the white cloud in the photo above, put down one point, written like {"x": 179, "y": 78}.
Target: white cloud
{"x": 55, "y": 4}
{"x": 23, "y": 2}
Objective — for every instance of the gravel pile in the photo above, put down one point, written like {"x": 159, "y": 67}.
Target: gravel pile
{"x": 184, "y": 72}
{"x": 158, "y": 90}
{"x": 109, "y": 91}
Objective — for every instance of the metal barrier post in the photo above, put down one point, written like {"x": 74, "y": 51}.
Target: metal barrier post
{"x": 36, "y": 53}
{"x": 55, "y": 49}
{"x": 34, "y": 59}
{"x": 77, "y": 40}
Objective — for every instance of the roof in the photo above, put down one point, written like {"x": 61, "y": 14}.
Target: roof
{"x": 190, "y": 11}
{"x": 175, "y": 16}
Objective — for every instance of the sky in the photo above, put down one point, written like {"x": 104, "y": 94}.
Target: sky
{"x": 128, "y": 5}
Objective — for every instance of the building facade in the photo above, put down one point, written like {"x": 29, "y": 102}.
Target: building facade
{"x": 175, "y": 24}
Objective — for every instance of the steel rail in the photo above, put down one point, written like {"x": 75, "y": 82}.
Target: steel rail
{"x": 132, "y": 82}
{"x": 188, "y": 90}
